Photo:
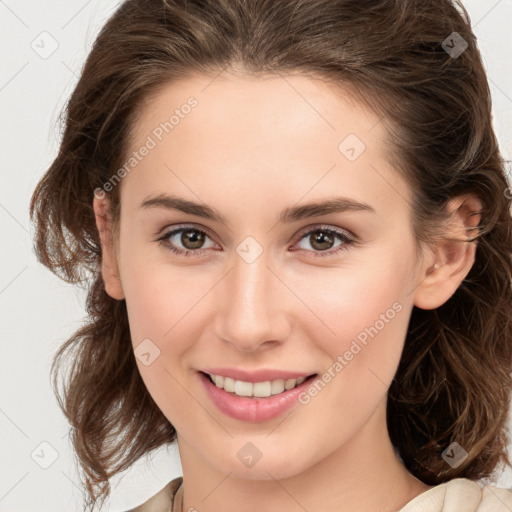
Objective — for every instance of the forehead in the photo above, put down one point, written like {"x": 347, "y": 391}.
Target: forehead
{"x": 243, "y": 132}
{"x": 293, "y": 106}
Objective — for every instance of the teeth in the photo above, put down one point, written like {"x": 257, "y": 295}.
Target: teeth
{"x": 262, "y": 389}
{"x": 229, "y": 384}
{"x": 243, "y": 388}
{"x": 219, "y": 381}
{"x": 277, "y": 386}
{"x": 256, "y": 389}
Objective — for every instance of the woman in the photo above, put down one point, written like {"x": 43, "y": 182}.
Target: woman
{"x": 295, "y": 224}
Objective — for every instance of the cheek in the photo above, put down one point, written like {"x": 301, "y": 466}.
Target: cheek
{"x": 157, "y": 293}
{"x": 160, "y": 305}
{"x": 164, "y": 305}
{"x": 367, "y": 314}
{"x": 364, "y": 311}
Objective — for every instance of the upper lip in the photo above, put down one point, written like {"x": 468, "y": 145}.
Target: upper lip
{"x": 261, "y": 375}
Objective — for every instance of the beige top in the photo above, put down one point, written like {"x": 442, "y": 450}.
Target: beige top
{"x": 458, "y": 495}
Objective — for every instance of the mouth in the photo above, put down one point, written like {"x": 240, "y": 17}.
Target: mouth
{"x": 240, "y": 400}
{"x": 256, "y": 390}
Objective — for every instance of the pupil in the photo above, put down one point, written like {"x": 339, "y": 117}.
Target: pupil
{"x": 193, "y": 238}
{"x": 320, "y": 238}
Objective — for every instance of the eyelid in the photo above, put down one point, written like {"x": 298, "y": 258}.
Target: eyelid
{"x": 327, "y": 227}
{"x": 177, "y": 227}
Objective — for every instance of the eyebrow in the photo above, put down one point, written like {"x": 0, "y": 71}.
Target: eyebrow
{"x": 289, "y": 215}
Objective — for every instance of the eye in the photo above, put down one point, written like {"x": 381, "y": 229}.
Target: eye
{"x": 190, "y": 237}
{"x": 322, "y": 238}
{"x": 319, "y": 238}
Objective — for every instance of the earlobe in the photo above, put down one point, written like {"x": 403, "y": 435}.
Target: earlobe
{"x": 109, "y": 265}
{"x": 453, "y": 256}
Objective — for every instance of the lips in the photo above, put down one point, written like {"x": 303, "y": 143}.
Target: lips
{"x": 253, "y": 408}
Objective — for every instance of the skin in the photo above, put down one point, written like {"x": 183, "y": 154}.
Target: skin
{"x": 251, "y": 148}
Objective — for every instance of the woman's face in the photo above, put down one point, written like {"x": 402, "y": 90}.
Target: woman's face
{"x": 257, "y": 298}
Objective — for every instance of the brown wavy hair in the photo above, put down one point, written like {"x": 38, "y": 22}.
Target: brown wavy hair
{"x": 453, "y": 382}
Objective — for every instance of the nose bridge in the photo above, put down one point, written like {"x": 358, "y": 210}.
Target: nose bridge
{"x": 251, "y": 313}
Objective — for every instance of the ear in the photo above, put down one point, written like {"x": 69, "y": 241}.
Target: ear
{"x": 452, "y": 257}
{"x": 109, "y": 266}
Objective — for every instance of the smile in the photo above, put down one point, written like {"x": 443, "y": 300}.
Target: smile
{"x": 255, "y": 389}
{"x": 253, "y": 401}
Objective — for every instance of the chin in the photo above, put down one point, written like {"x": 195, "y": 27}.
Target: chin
{"x": 273, "y": 465}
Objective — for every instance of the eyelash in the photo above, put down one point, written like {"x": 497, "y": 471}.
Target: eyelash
{"x": 344, "y": 236}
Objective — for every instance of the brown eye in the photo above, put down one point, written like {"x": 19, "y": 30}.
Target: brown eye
{"x": 321, "y": 240}
{"x": 192, "y": 238}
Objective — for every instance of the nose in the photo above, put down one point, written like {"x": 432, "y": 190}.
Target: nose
{"x": 251, "y": 306}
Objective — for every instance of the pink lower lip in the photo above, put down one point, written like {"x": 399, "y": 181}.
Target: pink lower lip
{"x": 255, "y": 410}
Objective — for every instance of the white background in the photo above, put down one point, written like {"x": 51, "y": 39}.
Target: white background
{"x": 38, "y": 311}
